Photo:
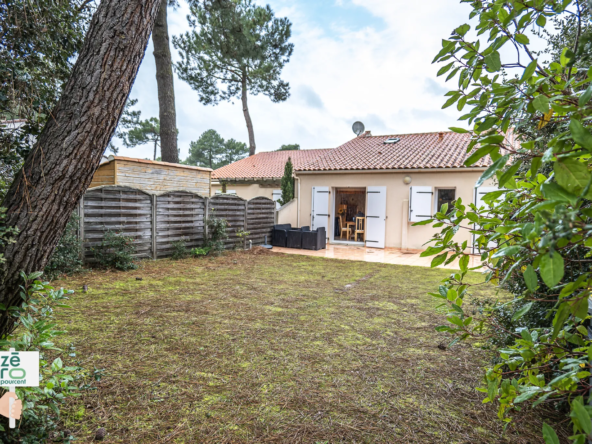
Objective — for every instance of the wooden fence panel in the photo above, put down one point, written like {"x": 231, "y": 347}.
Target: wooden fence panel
{"x": 155, "y": 222}
{"x": 260, "y": 218}
{"x": 233, "y": 209}
{"x": 121, "y": 209}
{"x": 180, "y": 215}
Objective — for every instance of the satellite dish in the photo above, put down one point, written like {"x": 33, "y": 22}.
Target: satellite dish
{"x": 358, "y": 128}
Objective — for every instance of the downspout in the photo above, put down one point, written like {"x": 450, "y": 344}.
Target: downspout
{"x": 298, "y": 197}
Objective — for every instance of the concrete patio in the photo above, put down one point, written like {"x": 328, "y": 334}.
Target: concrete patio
{"x": 387, "y": 255}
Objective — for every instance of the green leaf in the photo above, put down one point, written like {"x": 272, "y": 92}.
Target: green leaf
{"x": 571, "y": 174}
{"x": 458, "y": 130}
{"x": 450, "y": 101}
{"x": 541, "y": 103}
{"x": 463, "y": 263}
{"x": 523, "y": 310}
{"x": 438, "y": 260}
{"x": 479, "y": 154}
{"x": 549, "y": 434}
{"x": 583, "y": 417}
{"x": 430, "y": 251}
{"x": 566, "y": 57}
{"x": 56, "y": 365}
{"x": 444, "y": 69}
{"x": 585, "y": 98}
{"x": 462, "y": 30}
{"x": 508, "y": 251}
{"x": 529, "y": 71}
{"x": 499, "y": 163}
{"x": 509, "y": 174}
{"x": 553, "y": 191}
{"x": 522, "y": 39}
{"x": 580, "y": 134}
{"x": 530, "y": 278}
{"x": 487, "y": 124}
{"x": 541, "y": 20}
{"x": 493, "y": 62}
{"x": 552, "y": 269}
{"x": 558, "y": 321}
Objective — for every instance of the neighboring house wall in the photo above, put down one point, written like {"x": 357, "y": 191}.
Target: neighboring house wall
{"x": 248, "y": 191}
{"x": 288, "y": 214}
{"x": 397, "y": 197}
{"x": 153, "y": 177}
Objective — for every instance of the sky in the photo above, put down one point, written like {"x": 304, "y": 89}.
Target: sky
{"x": 366, "y": 60}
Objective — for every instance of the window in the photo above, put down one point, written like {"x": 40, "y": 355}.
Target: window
{"x": 391, "y": 140}
{"x": 445, "y": 197}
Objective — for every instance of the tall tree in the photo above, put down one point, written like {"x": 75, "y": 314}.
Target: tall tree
{"x": 287, "y": 183}
{"x": 235, "y": 48}
{"x": 289, "y": 147}
{"x": 68, "y": 151}
{"x": 233, "y": 151}
{"x": 134, "y": 132}
{"x": 206, "y": 150}
{"x": 39, "y": 40}
{"x": 165, "y": 85}
{"x": 212, "y": 151}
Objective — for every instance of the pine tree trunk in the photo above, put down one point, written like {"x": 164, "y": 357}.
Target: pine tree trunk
{"x": 165, "y": 85}
{"x": 252, "y": 146}
{"x": 68, "y": 152}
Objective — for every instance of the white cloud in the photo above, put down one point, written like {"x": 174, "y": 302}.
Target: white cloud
{"x": 378, "y": 71}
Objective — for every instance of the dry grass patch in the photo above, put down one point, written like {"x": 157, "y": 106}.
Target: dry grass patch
{"x": 253, "y": 348}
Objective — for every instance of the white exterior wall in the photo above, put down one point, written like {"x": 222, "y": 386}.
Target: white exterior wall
{"x": 399, "y": 231}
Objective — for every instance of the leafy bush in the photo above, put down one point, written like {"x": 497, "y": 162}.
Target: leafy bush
{"x": 200, "y": 252}
{"x": 539, "y": 220}
{"x": 241, "y": 239}
{"x": 180, "y": 250}
{"x": 36, "y": 330}
{"x": 66, "y": 258}
{"x": 216, "y": 233}
{"x": 116, "y": 251}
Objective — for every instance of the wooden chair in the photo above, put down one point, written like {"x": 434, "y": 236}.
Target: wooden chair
{"x": 360, "y": 228}
{"x": 343, "y": 227}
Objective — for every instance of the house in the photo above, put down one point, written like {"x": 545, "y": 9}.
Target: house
{"x": 393, "y": 180}
{"x": 260, "y": 175}
{"x": 152, "y": 176}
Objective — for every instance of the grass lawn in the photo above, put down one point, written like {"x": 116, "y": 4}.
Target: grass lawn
{"x": 261, "y": 347}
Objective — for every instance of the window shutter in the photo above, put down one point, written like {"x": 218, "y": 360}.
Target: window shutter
{"x": 420, "y": 203}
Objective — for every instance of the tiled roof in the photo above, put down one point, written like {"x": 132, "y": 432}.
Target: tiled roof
{"x": 413, "y": 151}
{"x": 266, "y": 165}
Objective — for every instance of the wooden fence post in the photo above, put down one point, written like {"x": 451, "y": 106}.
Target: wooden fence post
{"x": 246, "y": 224}
{"x": 81, "y": 227}
{"x": 154, "y": 215}
{"x": 206, "y": 215}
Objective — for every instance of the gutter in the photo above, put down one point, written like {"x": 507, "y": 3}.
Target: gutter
{"x": 299, "y": 200}
{"x": 399, "y": 170}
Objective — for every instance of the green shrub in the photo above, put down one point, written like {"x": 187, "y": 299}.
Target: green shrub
{"x": 66, "y": 258}
{"x": 216, "y": 233}
{"x": 116, "y": 251}
{"x": 36, "y": 330}
{"x": 180, "y": 250}
{"x": 199, "y": 252}
{"x": 241, "y": 239}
